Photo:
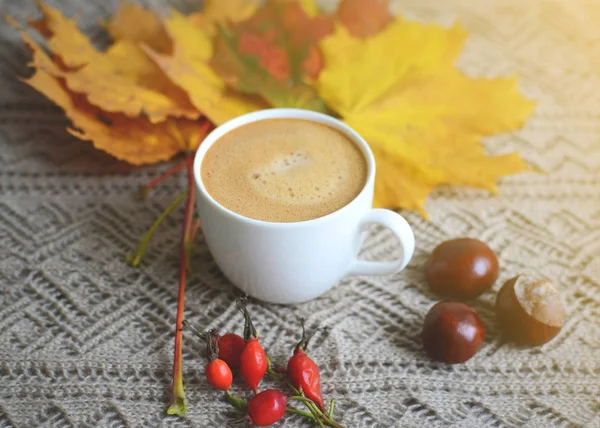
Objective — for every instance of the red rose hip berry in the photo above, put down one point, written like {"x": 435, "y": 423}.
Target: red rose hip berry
{"x": 267, "y": 407}
{"x": 217, "y": 371}
{"x": 253, "y": 359}
{"x": 219, "y": 374}
{"x": 230, "y": 349}
{"x": 304, "y": 373}
{"x": 253, "y": 363}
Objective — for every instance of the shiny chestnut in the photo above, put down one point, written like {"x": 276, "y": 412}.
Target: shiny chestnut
{"x": 452, "y": 332}
{"x": 530, "y": 310}
{"x": 461, "y": 268}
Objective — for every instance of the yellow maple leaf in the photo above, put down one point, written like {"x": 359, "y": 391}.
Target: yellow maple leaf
{"x": 216, "y": 12}
{"x": 137, "y": 141}
{"x": 423, "y": 118}
{"x": 311, "y": 8}
{"x": 64, "y": 38}
{"x": 120, "y": 80}
{"x": 135, "y": 23}
{"x": 188, "y": 68}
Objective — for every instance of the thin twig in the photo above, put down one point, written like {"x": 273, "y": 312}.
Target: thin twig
{"x": 201, "y": 334}
{"x": 308, "y": 403}
{"x": 179, "y": 405}
{"x": 172, "y": 171}
{"x": 331, "y": 408}
{"x": 235, "y": 401}
{"x": 301, "y": 413}
{"x": 135, "y": 258}
{"x": 194, "y": 230}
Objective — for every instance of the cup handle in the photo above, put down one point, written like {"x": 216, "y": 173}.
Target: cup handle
{"x": 400, "y": 227}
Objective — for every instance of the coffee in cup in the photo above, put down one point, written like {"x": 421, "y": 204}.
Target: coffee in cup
{"x": 284, "y": 170}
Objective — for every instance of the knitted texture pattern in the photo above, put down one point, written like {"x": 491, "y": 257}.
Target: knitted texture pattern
{"x": 87, "y": 341}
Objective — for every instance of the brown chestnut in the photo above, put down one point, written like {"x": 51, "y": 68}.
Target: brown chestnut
{"x": 462, "y": 268}
{"x": 529, "y": 310}
{"x": 452, "y": 332}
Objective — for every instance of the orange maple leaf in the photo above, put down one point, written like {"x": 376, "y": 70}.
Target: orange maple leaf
{"x": 121, "y": 80}
{"x": 137, "y": 24}
{"x": 364, "y": 18}
{"x": 135, "y": 140}
{"x": 272, "y": 53}
{"x": 216, "y": 12}
{"x": 188, "y": 68}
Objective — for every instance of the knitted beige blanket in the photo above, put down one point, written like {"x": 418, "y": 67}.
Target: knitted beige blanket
{"x": 87, "y": 341}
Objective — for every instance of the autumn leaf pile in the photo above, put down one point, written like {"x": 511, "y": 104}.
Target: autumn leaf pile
{"x": 166, "y": 76}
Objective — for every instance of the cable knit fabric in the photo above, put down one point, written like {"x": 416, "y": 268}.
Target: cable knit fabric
{"x": 87, "y": 341}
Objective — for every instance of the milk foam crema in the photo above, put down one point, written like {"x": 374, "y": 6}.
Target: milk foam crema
{"x": 284, "y": 170}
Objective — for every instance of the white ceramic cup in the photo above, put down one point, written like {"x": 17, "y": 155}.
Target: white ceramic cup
{"x": 295, "y": 262}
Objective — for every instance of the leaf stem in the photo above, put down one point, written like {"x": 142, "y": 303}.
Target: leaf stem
{"x": 235, "y": 401}
{"x": 331, "y": 408}
{"x": 194, "y": 230}
{"x": 317, "y": 413}
{"x": 301, "y": 413}
{"x": 135, "y": 257}
{"x": 203, "y": 335}
{"x": 273, "y": 372}
{"x": 308, "y": 403}
{"x": 172, "y": 171}
{"x": 178, "y": 405}
{"x": 190, "y": 243}
{"x": 205, "y": 128}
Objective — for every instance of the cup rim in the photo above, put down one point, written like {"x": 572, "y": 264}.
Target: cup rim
{"x": 282, "y": 113}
